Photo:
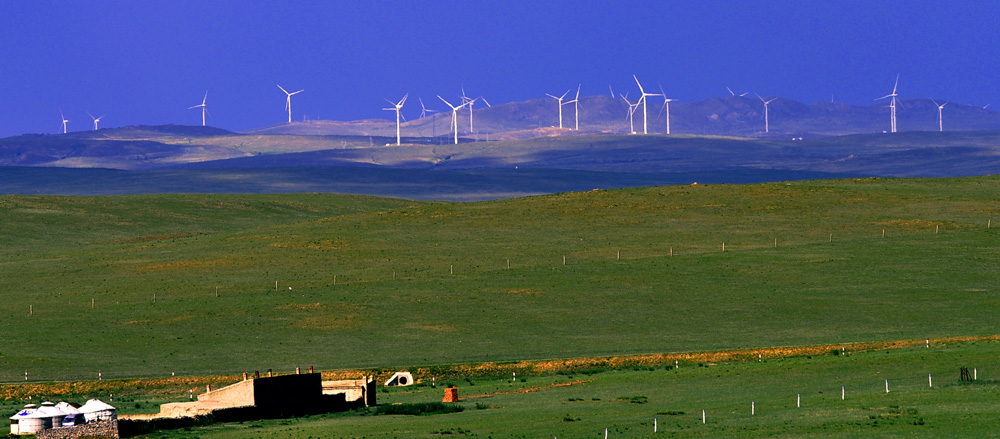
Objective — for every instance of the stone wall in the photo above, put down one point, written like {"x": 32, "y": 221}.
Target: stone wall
{"x": 90, "y": 430}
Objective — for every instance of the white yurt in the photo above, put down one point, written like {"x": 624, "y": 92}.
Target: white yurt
{"x": 73, "y": 415}
{"x": 29, "y": 421}
{"x": 97, "y": 410}
{"x": 20, "y": 420}
{"x": 55, "y": 415}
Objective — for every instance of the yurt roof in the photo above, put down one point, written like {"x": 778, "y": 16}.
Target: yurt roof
{"x": 95, "y": 405}
{"x": 24, "y": 413}
{"x": 67, "y": 408}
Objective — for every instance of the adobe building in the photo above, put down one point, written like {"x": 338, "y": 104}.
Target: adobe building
{"x": 274, "y": 396}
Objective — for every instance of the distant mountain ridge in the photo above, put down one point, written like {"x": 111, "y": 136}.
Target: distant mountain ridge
{"x": 730, "y": 116}
{"x": 522, "y": 156}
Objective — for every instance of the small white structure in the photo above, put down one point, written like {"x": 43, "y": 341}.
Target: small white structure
{"x": 97, "y": 410}
{"x": 400, "y": 379}
{"x": 73, "y": 415}
{"x": 20, "y": 421}
{"x": 29, "y": 421}
{"x": 48, "y": 409}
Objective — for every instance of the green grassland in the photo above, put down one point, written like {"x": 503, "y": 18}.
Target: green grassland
{"x": 627, "y": 401}
{"x": 385, "y": 283}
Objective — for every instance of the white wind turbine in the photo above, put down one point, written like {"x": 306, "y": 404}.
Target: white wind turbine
{"x": 766, "y": 127}
{"x": 288, "y": 101}
{"x": 423, "y": 113}
{"x": 892, "y": 104}
{"x": 560, "y": 101}
{"x": 470, "y": 102}
{"x": 96, "y": 119}
{"x": 940, "y": 107}
{"x": 631, "y": 110}
{"x": 396, "y": 106}
{"x": 666, "y": 107}
{"x": 642, "y": 99}
{"x": 424, "y": 110}
{"x": 576, "y": 107}
{"x": 64, "y": 120}
{"x": 454, "y": 116}
{"x": 203, "y": 108}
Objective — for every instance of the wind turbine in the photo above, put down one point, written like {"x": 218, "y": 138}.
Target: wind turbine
{"x": 64, "y": 120}
{"x": 454, "y": 116}
{"x": 766, "y": 127}
{"x": 631, "y": 109}
{"x": 203, "y": 108}
{"x": 892, "y": 103}
{"x": 288, "y": 102}
{"x": 470, "y": 102}
{"x": 576, "y": 107}
{"x": 560, "y": 100}
{"x": 666, "y": 106}
{"x": 424, "y": 110}
{"x": 643, "y": 100}
{"x": 940, "y": 107}
{"x": 396, "y": 106}
{"x": 96, "y": 119}
{"x": 423, "y": 114}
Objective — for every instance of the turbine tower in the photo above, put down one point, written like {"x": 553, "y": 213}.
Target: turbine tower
{"x": 576, "y": 107}
{"x": 288, "y": 101}
{"x": 766, "y": 127}
{"x": 560, "y": 100}
{"x": 396, "y": 106}
{"x": 892, "y": 104}
{"x": 96, "y": 119}
{"x": 940, "y": 107}
{"x": 631, "y": 109}
{"x": 423, "y": 114}
{"x": 470, "y": 102}
{"x": 64, "y": 120}
{"x": 642, "y": 99}
{"x": 203, "y": 108}
{"x": 666, "y": 107}
{"x": 454, "y": 116}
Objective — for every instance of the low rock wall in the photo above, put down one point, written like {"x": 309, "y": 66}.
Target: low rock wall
{"x": 90, "y": 430}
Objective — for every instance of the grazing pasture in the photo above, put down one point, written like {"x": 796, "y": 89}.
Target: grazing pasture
{"x": 126, "y": 285}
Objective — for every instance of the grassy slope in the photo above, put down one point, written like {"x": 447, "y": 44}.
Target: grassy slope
{"x": 911, "y": 284}
{"x": 676, "y": 397}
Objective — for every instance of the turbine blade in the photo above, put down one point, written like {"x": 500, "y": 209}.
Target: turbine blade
{"x": 578, "y": 91}
{"x": 282, "y": 88}
{"x": 730, "y": 91}
{"x": 449, "y": 103}
{"x": 637, "y": 83}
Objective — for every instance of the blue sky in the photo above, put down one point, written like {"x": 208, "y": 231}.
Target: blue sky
{"x": 146, "y": 62}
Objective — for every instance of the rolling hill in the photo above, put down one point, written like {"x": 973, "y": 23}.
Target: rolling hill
{"x": 730, "y": 116}
{"x": 127, "y": 284}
